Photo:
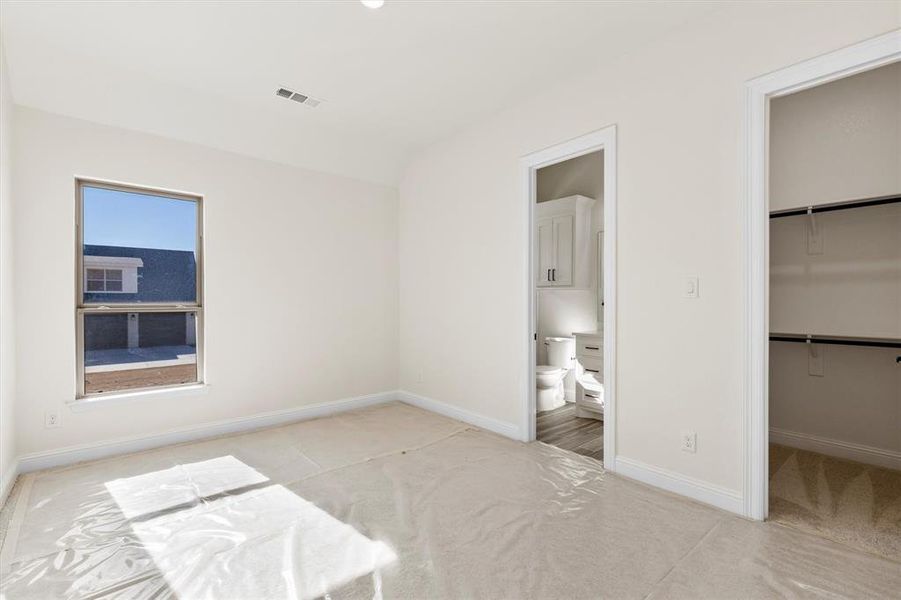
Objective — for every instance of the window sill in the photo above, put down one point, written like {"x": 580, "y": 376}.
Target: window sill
{"x": 91, "y": 403}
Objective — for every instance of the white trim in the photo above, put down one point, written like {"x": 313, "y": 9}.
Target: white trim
{"x": 9, "y": 479}
{"x": 86, "y": 452}
{"x": 604, "y": 139}
{"x": 714, "y": 495}
{"x": 889, "y": 459}
{"x": 500, "y": 427}
{"x": 76, "y": 454}
{"x": 867, "y": 55}
{"x": 14, "y": 525}
{"x": 164, "y": 393}
{"x": 94, "y": 261}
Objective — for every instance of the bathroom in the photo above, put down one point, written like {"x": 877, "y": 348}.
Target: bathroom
{"x": 569, "y": 300}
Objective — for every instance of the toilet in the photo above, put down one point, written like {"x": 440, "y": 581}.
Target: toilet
{"x": 561, "y": 352}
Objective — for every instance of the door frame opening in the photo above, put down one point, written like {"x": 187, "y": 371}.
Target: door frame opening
{"x": 865, "y": 56}
{"x": 603, "y": 139}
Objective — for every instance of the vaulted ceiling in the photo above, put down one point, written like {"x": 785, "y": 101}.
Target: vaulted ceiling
{"x": 392, "y": 80}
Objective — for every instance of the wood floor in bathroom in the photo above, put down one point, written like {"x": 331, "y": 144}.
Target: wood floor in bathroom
{"x": 562, "y": 428}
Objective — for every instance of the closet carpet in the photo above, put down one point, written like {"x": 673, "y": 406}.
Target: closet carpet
{"x": 852, "y": 503}
{"x": 561, "y": 427}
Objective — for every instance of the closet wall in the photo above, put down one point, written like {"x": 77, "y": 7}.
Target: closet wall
{"x": 564, "y": 311}
{"x": 837, "y": 142}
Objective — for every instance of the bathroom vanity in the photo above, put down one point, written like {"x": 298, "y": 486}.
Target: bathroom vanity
{"x": 590, "y": 374}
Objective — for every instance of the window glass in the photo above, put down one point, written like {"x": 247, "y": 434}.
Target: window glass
{"x": 127, "y": 351}
{"x": 139, "y": 310}
{"x": 138, "y": 247}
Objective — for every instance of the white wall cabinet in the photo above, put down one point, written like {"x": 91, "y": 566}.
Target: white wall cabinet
{"x": 563, "y": 231}
{"x": 555, "y": 250}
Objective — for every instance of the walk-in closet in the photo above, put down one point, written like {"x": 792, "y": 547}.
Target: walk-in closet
{"x": 835, "y": 310}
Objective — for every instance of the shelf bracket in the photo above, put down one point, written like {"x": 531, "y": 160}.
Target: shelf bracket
{"x": 815, "y": 366}
{"x": 814, "y": 234}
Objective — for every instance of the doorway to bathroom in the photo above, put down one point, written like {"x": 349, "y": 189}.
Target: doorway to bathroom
{"x": 570, "y": 196}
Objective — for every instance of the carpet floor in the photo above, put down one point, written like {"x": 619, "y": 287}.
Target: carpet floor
{"x": 395, "y": 502}
{"x": 848, "y": 502}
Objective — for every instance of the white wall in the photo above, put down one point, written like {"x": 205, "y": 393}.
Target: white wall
{"x": 300, "y": 280}
{"x": 678, "y": 105}
{"x": 853, "y": 288}
{"x": 857, "y": 401}
{"x": 7, "y": 322}
{"x": 836, "y": 142}
{"x": 561, "y": 311}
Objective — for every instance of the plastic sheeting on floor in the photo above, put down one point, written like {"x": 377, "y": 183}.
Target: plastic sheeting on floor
{"x": 395, "y": 502}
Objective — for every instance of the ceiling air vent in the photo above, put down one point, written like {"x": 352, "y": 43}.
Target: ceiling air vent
{"x": 297, "y": 97}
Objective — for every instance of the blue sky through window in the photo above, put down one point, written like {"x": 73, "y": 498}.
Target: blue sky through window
{"x": 115, "y": 218}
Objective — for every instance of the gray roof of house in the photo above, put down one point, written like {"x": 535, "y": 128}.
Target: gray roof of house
{"x": 167, "y": 275}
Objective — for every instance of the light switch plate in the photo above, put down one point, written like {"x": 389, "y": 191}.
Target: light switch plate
{"x": 689, "y": 441}
{"x": 690, "y": 289}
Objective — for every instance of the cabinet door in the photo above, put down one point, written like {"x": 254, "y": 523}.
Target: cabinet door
{"x": 545, "y": 251}
{"x": 562, "y": 273}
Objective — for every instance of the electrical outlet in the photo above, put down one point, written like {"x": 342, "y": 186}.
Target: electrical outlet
{"x": 51, "y": 419}
{"x": 689, "y": 441}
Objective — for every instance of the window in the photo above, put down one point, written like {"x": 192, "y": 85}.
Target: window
{"x": 104, "y": 280}
{"x": 139, "y": 309}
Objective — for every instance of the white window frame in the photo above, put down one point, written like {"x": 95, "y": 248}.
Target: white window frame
{"x": 83, "y": 308}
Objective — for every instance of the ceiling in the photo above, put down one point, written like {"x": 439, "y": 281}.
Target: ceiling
{"x": 392, "y": 80}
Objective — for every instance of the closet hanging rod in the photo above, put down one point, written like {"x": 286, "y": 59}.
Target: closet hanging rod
{"x": 860, "y": 203}
{"x": 836, "y": 340}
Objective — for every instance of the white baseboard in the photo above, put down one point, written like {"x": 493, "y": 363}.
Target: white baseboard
{"x": 677, "y": 483}
{"x": 889, "y": 459}
{"x": 500, "y": 427}
{"x": 86, "y": 452}
{"x": 75, "y": 454}
{"x": 9, "y": 478}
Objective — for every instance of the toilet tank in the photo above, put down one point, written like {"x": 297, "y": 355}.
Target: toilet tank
{"x": 561, "y": 351}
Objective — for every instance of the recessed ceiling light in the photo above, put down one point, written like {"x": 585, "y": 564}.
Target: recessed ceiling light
{"x": 372, "y": 3}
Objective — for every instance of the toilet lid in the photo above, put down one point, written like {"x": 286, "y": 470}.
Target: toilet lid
{"x": 547, "y": 369}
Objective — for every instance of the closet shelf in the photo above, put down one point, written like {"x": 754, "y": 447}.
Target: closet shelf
{"x": 847, "y": 204}
{"x": 836, "y": 340}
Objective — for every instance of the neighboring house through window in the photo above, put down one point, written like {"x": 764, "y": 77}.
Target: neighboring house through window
{"x": 111, "y": 274}
{"x": 139, "y": 310}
